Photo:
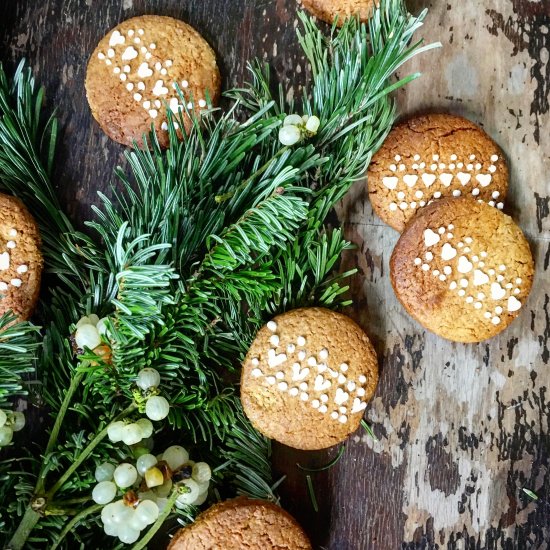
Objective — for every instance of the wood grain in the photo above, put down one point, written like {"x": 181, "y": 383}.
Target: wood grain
{"x": 462, "y": 428}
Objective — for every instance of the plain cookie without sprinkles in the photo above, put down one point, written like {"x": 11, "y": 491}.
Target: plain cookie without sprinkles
{"x": 307, "y": 378}
{"x": 136, "y": 70}
{"x": 462, "y": 269}
{"x": 429, "y": 157}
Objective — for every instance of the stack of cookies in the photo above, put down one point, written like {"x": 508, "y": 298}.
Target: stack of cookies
{"x": 461, "y": 267}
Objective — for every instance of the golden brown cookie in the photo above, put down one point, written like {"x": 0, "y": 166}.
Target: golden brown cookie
{"x": 430, "y": 157}
{"x": 133, "y": 72}
{"x": 462, "y": 269}
{"x": 307, "y": 378}
{"x": 20, "y": 258}
{"x": 328, "y": 10}
{"x": 242, "y": 524}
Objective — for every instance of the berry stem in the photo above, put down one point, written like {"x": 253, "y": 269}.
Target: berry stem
{"x": 30, "y": 519}
{"x": 160, "y": 520}
{"x": 87, "y": 452}
{"x": 69, "y": 527}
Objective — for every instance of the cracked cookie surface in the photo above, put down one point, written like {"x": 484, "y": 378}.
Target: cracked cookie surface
{"x": 307, "y": 378}
{"x": 462, "y": 269}
{"x": 430, "y": 157}
{"x": 242, "y": 524}
{"x": 328, "y": 10}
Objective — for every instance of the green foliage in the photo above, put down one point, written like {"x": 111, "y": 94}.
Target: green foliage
{"x": 199, "y": 246}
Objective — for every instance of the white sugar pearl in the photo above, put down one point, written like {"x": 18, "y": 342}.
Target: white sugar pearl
{"x": 87, "y": 336}
{"x": 175, "y": 456}
{"x": 272, "y": 326}
{"x": 201, "y": 472}
{"x": 302, "y": 341}
{"x": 157, "y": 408}
{"x": 148, "y": 378}
{"x": 202, "y": 103}
{"x": 274, "y": 340}
{"x": 11, "y": 244}
{"x": 104, "y": 492}
{"x": 289, "y": 135}
{"x": 104, "y": 472}
{"x": 144, "y": 462}
{"x": 125, "y": 475}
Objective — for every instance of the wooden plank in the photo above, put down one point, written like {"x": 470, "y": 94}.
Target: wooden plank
{"x": 462, "y": 428}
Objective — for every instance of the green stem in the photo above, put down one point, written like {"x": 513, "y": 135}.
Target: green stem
{"x": 86, "y": 512}
{"x": 160, "y": 520}
{"x": 75, "y": 383}
{"x": 87, "y": 452}
{"x": 30, "y": 519}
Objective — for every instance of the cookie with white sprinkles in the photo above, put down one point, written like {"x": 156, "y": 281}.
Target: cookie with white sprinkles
{"x": 431, "y": 157}
{"x": 329, "y": 10}
{"x": 20, "y": 258}
{"x": 134, "y": 72}
{"x": 307, "y": 378}
{"x": 463, "y": 269}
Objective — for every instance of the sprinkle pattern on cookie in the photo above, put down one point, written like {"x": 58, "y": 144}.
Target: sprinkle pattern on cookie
{"x": 468, "y": 272}
{"x": 5, "y": 264}
{"x": 132, "y": 58}
{"x": 460, "y": 176}
{"x": 308, "y": 375}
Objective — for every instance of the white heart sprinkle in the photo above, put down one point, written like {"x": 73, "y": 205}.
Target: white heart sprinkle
{"x": 116, "y": 39}
{"x": 484, "y": 179}
{"x": 4, "y": 261}
{"x": 513, "y": 303}
{"x": 463, "y": 178}
{"x": 298, "y": 373}
{"x": 410, "y": 179}
{"x": 341, "y": 396}
{"x": 144, "y": 71}
{"x": 275, "y": 360}
{"x": 256, "y": 373}
{"x": 321, "y": 384}
{"x": 390, "y": 182}
{"x": 428, "y": 179}
{"x": 129, "y": 53}
{"x": 159, "y": 88}
{"x": 447, "y": 252}
{"x": 497, "y": 292}
{"x": 480, "y": 278}
{"x": 431, "y": 238}
{"x": 446, "y": 179}
{"x": 358, "y": 406}
{"x": 464, "y": 266}
{"x": 174, "y": 107}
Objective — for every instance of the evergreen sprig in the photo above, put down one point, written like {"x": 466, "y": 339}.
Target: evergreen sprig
{"x": 198, "y": 247}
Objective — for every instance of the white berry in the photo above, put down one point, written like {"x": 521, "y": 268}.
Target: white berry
{"x": 104, "y": 472}
{"x": 83, "y": 321}
{"x": 93, "y": 318}
{"x": 289, "y": 135}
{"x": 115, "y": 431}
{"x": 86, "y": 336}
{"x": 191, "y": 495}
{"x": 312, "y": 124}
{"x": 201, "y": 472}
{"x": 201, "y": 499}
{"x": 292, "y": 120}
{"x": 148, "y": 378}
{"x": 147, "y": 511}
{"x": 164, "y": 490}
{"x": 144, "y": 462}
{"x": 146, "y": 427}
{"x": 102, "y": 326}
{"x": 131, "y": 434}
{"x": 157, "y": 407}
{"x": 104, "y": 492}
{"x": 125, "y": 475}
{"x": 3, "y": 418}
{"x": 18, "y": 421}
{"x": 127, "y": 535}
{"x": 6, "y": 435}
{"x": 175, "y": 456}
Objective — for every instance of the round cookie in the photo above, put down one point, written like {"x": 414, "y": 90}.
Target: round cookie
{"x": 430, "y": 157}
{"x": 307, "y": 378}
{"x": 132, "y": 74}
{"x": 462, "y": 269}
{"x": 328, "y": 10}
{"x": 20, "y": 258}
{"x": 242, "y": 523}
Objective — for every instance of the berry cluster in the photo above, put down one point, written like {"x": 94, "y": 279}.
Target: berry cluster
{"x": 156, "y": 406}
{"x": 10, "y": 422}
{"x": 130, "y": 433}
{"x": 89, "y": 330}
{"x": 145, "y": 488}
{"x": 296, "y": 127}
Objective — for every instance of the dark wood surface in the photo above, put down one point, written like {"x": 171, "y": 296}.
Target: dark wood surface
{"x": 462, "y": 428}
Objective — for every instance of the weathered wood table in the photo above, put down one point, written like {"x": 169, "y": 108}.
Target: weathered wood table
{"x": 461, "y": 428}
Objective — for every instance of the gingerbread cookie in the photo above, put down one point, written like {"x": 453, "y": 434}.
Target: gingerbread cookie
{"x": 133, "y": 73}
{"x": 242, "y": 524}
{"x": 20, "y": 258}
{"x": 432, "y": 157}
{"x": 329, "y": 10}
{"x": 462, "y": 269}
{"x": 307, "y": 378}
